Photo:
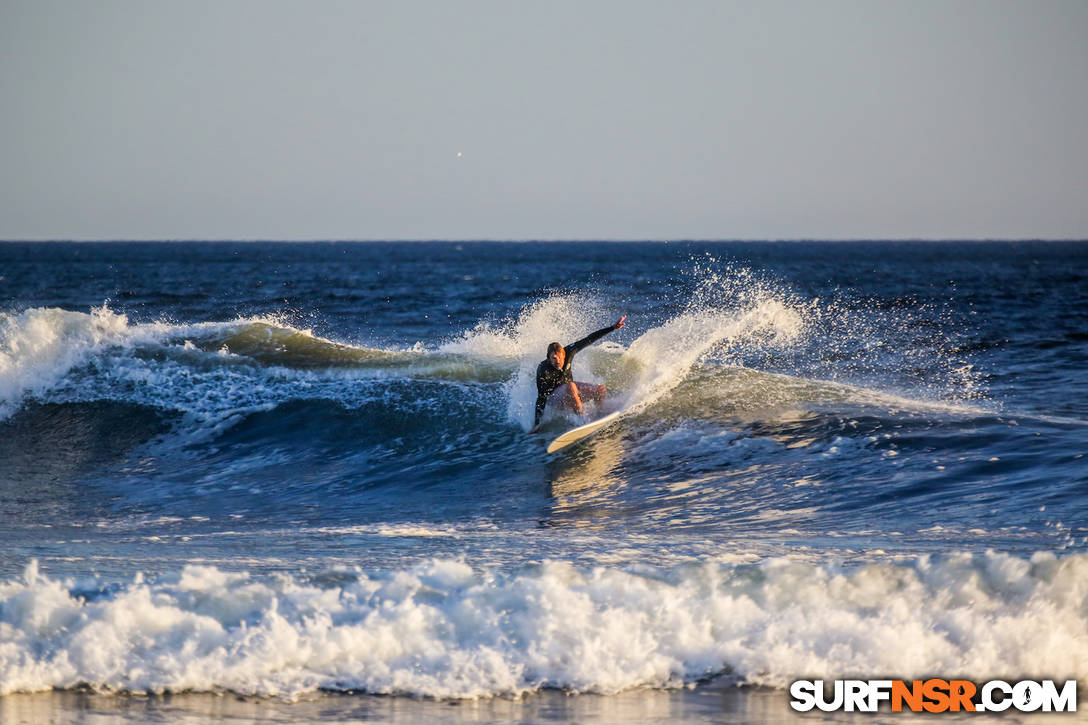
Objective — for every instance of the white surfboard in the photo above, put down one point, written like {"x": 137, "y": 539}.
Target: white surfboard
{"x": 577, "y": 434}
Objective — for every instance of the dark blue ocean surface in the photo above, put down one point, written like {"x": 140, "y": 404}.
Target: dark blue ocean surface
{"x": 327, "y": 444}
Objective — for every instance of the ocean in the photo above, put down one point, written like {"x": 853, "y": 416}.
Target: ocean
{"x": 296, "y": 481}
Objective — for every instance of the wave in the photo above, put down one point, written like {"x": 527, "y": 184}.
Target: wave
{"x": 444, "y": 629}
{"x": 263, "y": 387}
{"x": 733, "y": 349}
{"x": 727, "y": 317}
{"x": 208, "y": 370}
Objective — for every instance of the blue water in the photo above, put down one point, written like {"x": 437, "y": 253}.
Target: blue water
{"x": 269, "y": 435}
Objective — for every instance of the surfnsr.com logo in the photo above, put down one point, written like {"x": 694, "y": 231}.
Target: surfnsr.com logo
{"x": 934, "y": 695}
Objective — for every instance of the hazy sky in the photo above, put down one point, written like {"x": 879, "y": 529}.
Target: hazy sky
{"x": 543, "y": 120}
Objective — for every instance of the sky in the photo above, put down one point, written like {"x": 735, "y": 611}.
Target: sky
{"x": 269, "y": 119}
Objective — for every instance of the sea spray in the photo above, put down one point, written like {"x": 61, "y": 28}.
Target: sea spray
{"x": 731, "y": 308}
{"x": 38, "y": 346}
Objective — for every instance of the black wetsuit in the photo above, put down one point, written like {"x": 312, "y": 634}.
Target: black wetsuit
{"x": 549, "y": 377}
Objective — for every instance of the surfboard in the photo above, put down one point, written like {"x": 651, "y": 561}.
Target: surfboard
{"x": 576, "y": 434}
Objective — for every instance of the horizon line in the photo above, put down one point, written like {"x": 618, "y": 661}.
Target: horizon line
{"x": 530, "y": 240}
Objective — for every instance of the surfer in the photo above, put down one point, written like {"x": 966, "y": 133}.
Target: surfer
{"x": 554, "y": 380}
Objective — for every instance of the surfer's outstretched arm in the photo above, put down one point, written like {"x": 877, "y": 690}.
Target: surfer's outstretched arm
{"x": 594, "y": 336}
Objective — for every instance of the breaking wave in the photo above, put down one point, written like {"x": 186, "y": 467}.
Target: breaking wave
{"x": 444, "y": 629}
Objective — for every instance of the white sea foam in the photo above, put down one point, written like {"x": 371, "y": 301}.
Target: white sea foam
{"x": 38, "y": 346}
{"x": 444, "y": 629}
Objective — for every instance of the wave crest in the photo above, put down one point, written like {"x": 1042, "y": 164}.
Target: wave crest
{"x": 38, "y": 346}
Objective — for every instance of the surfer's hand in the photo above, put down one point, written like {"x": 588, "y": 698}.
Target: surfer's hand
{"x": 622, "y": 322}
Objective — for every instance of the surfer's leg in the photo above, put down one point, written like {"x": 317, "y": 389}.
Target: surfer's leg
{"x": 562, "y": 397}
{"x": 592, "y": 391}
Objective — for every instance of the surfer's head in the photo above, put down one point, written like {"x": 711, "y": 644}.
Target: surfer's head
{"x": 556, "y": 354}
